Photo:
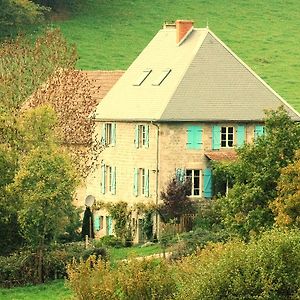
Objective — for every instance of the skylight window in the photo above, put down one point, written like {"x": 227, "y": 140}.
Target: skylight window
{"x": 142, "y": 77}
{"x": 162, "y": 77}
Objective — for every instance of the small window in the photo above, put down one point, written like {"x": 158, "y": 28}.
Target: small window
{"x": 108, "y": 133}
{"x": 109, "y": 178}
{"x": 141, "y": 139}
{"x": 194, "y": 177}
{"x": 142, "y": 77}
{"x": 227, "y": 137}
{"x": 162, "y": 77}
{"x": 142, "y": 181}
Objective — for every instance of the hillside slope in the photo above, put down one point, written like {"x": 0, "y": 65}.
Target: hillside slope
{"x": 265, "y": 34}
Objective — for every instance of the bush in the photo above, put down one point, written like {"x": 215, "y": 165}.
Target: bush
{"x": 108, "y": 241}
{"x": 135, "y": 279}
{"x": 268, "y": 268}
{"x": 99, "y": 253}
{"x": 20, "y": 268}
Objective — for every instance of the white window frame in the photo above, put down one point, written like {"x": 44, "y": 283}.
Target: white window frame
{"x": 108, "y": 174}
{"x": 226, "y": 134}
{"x": 193, "y": 178}
{"x": 142, "y": 136}
{"x": 108, "y": 133}
{"x": 141, "y": 181}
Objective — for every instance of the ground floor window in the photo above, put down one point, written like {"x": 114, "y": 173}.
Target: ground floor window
{"x": 194, "y": 176}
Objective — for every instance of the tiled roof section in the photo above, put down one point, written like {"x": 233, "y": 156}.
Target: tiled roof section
{"x": 74, "y": 95}
{"x": 102, "y": 82}
{"x": 217, "y": 86}
{"x": 221, "y": 155}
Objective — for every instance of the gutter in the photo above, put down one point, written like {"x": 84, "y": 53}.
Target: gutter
{"x": 157, "y": 171}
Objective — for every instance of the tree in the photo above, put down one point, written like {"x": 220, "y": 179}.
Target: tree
{"x": 286, "y": 207}
{"x": 44, "y": 186}
{"x": 14, "y": 14}
{"x": 176, "y": 202}
{"x": 255, "y": 175}
{"x": 87, "y": 224}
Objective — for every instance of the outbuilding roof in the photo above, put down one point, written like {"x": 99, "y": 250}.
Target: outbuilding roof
{"x": 200, "y": 79}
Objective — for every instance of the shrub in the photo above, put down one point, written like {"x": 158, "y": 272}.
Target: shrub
{"x": 268, "y": 268}
{"x": 135, "y": 279}
{"x": 108, "y": 241}
{"x": 99, "y": 253}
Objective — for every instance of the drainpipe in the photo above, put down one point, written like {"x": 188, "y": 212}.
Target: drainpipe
{"x": 157, "y": 171}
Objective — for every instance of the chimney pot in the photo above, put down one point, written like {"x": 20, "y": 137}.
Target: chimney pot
{"x": 182, "y": 28}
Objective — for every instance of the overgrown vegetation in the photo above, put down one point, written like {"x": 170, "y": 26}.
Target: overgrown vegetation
{"x": 266, "y": 268}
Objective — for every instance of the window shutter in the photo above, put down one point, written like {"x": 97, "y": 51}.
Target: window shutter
{"x": 147, "y": 183}
{"x": 136, "y": 135}
{"x": 147, "y": 136}
{"x": 190, "y": 137}
{"x": 103, "y": 138}
{"x": 109, "y": 225}
{"x": 96, "y": 223}
{"x": 240, "y": 135}
{"x": 113, "y": 180}
{"x": 103, "y": 171}
{"x": 216, "y": 137}
{"x": 198, "y": 139}
{"x": 135, "y": 182}
{"x": 207, "y": 184}
{"x": 180, "y": 175}
{"x": 113, "y": 134}
{"x": 258, "y": 131}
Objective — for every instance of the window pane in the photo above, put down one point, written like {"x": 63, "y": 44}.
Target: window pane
{"x": 188, "y": 173}
{"x": 196, "y": 192}
{"x": 230, "y": 143}
{"x": 223, "y": 143}
{"x": 196, "y": 173}
{"x": 230, "y": 137}
{"x": 230, "y": 129}
{"x": 223, "y": 130}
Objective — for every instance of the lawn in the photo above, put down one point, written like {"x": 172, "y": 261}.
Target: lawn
{"x": 109, "y": 34}
{"x": 57, "y": 290}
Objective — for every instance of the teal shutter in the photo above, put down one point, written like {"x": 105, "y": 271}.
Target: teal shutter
{"x": 147, "y": 136}
{"x": 109, "y": 225}
{"x": 113, "y": 180}
{"x": 194, "y": 137}
{"x": 96, "y": 223}
{"x": 258, "y": 131}
{"x": 190, "y": 137}
{"x": 103, "y": 138}
{"x": 136, "y": 136}
{"x": 198, "y": 139}
{"x": 147, "y": 183}
{"x": 207, "y": 184}
{"x": 240, "y": 135}
{"x": 103, "y": 171}
{"x": 180, "y": 175}
{"x": 135, "y": 182}
{"x": 113, "y": 134}
{"x": 216, "y": 137}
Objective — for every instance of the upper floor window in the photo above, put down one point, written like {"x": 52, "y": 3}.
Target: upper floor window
{"x": 227, "y": 137}
{"x": 194, "y": 137}
{"x": 141, "y": 182}
{"x": 108, "y": 183}
{"x": 141, "y": 139}
{"x": 108, "y": 136}
{"x": 162, "y": 77}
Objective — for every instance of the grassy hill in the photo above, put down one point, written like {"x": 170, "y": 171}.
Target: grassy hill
{"x": 265, "y": 34}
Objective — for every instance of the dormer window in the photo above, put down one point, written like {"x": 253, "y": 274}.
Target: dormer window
{"x": 142, "y": 77}
{"x": 162, "y": 77}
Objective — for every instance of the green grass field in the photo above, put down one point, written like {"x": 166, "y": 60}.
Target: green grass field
{"x": 109, "y": 34}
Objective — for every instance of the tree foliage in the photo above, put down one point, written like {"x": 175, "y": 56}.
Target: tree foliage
{"x": 256, "y": 172}
{"x": 286, "y": 207}
{"x": 176, "y": 202}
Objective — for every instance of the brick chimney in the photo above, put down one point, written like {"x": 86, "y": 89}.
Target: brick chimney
{"x": 182, "y": 28}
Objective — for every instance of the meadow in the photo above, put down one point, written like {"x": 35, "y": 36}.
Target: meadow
{"x": 109, "y": 34}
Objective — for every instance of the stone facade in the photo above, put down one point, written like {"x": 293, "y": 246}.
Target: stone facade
{"x": 166, "y": 152}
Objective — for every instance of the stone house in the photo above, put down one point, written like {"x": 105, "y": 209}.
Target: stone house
{"x": 187, "y": 99}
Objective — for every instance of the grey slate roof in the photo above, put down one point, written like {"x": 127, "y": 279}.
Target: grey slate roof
{"x": 208, "y": 82}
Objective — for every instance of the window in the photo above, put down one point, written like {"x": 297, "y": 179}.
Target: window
{"x": 259, "y": 130}
{"x": 162, "y": 77}
{"x": 194, "y": 137}
{"x": 194, "y": 177}
{"x": 227, "y": 137}
{"x": 108, "y": 175}
{"x": 141, "y": 182}
{"x": 142, "y": 77}
{"x": 108, "y": 134}
{"x": 141, "y": 136}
